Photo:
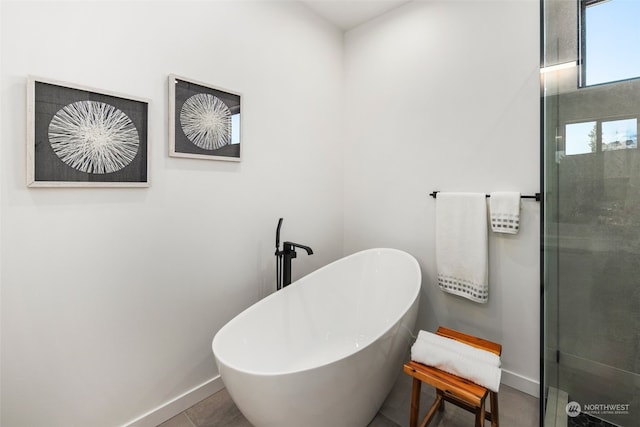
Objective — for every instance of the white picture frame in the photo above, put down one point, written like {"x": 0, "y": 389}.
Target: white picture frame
{"x": 78, "y": 136}
{"x": 204, "y": 121}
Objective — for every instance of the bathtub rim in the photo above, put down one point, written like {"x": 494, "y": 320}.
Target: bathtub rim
{"x": 243, "y": 313}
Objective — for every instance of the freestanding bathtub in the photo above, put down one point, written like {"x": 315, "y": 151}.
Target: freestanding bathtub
{"x": 326, "y": 350}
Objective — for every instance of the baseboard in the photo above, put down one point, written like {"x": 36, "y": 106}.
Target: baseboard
{"x": 173, "y": 407}
{"x": 524, "y": 384}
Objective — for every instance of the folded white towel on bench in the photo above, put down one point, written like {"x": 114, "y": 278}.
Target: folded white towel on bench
{"x": 457, "y": 358}
{"x": 459, "y": 347}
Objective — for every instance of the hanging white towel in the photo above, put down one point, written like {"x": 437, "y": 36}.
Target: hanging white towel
{"x": 505, "y": 211}
{"x": 461, "y": 245}
{"x": 460, "y": 364}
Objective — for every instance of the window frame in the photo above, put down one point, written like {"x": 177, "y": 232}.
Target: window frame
{"x": 599, "y": 141}
{"x": 582, "y": 45}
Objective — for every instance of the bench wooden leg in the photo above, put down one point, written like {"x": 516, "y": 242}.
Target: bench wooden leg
{"x": 440, "y": 393}
{"x": 480, "y": 415}
{"x": 415, "y": 403}
{"x": 438, "y": 404}
{"x": 493, "y": 397}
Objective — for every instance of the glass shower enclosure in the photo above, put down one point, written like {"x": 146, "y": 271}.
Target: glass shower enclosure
{"x": 590, "y": 109}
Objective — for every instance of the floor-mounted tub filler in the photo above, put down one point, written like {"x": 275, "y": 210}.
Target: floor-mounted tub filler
{"x": 326, "y": 350}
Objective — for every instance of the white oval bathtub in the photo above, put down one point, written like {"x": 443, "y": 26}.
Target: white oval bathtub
{"x": 326, "y": 350}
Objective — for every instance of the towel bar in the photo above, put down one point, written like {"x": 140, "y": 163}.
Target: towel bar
{"x": 536, "y": 196}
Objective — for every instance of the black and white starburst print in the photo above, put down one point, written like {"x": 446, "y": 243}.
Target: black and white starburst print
{"x": 206, "y": 121}
{"x": 93, "y": 137}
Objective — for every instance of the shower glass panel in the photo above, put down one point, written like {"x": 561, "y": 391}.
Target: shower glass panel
{"x": 591, "y": 221}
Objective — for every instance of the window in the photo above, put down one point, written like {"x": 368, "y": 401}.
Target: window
{"x": 597, "y": 136}
{"x": 619, "y": 134}
{"x": 580, "y": 138}
{"x": 610, "y": 41}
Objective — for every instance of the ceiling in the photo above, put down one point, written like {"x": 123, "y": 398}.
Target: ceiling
{"x": 347, "y": 14}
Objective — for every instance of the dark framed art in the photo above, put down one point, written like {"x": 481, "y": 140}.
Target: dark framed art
{"x": 204, "y": 121}
{"x": 83, "y": 137}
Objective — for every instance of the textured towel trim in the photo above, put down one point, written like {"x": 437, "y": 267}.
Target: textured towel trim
{"x": 505, "y": 223}
{"x": 478, "y": 292}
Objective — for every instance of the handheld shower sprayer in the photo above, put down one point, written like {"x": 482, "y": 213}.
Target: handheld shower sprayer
{"x": 279, "y": 254}
{"x": 278, "y": 235}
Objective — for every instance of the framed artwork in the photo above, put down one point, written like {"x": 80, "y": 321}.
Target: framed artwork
{"x": 83, "y": 137}
{"x": 204, "y": 121}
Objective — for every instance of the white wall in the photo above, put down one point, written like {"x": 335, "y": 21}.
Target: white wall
{"x": 111, "y": 297}
{"x": 443, "y": 95}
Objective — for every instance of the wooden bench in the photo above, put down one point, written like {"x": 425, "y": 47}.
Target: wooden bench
{"x": 451, "y": 388}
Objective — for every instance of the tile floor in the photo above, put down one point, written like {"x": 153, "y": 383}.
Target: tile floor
{"x": 517, "y": 409}
{"x": 586, "y": 420}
